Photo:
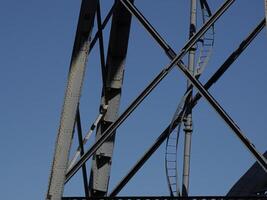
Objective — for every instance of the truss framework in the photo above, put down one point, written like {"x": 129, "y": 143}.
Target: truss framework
{"x": 60, "y": 173}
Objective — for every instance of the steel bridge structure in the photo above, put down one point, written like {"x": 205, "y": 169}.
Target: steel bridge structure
{"x": 198, "y": 48}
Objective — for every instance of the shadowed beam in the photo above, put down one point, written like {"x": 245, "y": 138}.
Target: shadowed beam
{"x": 71, "y": 100}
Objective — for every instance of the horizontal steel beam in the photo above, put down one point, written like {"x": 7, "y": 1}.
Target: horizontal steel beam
{"x": 170, "y": 198}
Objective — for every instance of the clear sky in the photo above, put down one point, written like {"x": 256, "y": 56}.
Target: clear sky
{"x": 36, "y": 39}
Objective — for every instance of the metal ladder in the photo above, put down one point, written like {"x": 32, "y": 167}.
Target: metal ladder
{"x": 207, "y": 42}
{"x": 172, "y": 147}
{"x": 171, "y": 162}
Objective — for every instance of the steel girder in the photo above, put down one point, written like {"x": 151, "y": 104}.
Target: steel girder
{"x": 71, "y": 100}
{"x": 112, "y": 73}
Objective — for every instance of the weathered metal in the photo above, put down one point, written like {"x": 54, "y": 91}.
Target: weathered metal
{"x": 71, "y": 100}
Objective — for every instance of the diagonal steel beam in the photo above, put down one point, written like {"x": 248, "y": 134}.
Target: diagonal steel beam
{"x": 231, "y": 59}
{"x": 71, "y": 100}
{"x": 98, "y": 35}
{"x": 110, "y": 130}
{"x": 103, "y": 25}
{"x": 80, "y": 138}
{"x": 151, "y": 30}
{"x": 156, "y": 36}
{"x": 115, "y": 66}
{"x": 211, "y": 100}
{"x": 147, "y": 155}
{"x": 102, "y": 52}
{"x": 222, "y": 113}
{"x": 222, "y": 69}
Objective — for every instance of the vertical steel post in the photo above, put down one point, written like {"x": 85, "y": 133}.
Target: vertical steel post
{"x": 188, "y": 118}
{"x": 117, "y": 51}
{"x": 71, "y": 100}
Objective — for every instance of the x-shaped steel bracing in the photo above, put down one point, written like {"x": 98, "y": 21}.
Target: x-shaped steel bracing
{"x": 176, "y": 61}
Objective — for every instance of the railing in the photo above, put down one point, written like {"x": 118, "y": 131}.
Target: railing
{"x": 171, "y": 198}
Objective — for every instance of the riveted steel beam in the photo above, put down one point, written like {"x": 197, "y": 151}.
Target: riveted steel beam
{"x": 71, "y": 100}
{"x": 111, "y": 95}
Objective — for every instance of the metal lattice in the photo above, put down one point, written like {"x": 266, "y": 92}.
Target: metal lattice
{"x": 108, "y": 120}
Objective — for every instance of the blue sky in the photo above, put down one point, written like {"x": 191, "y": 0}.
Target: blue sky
{"x": 36, "y": 43}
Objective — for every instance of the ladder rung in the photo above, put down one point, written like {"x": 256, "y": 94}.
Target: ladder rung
{"x": 207, "y": 33}
{"x": 171, "y": 168}
{"x": 171, "y": 153}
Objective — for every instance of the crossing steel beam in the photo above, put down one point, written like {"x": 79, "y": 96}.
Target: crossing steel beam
{"x": 112, "y": 78}
{"x": 110, "y": 130}
{"x": 196, "y": 83}
{"x": 221, "y": 70}
{"x": 222, "y": 113}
